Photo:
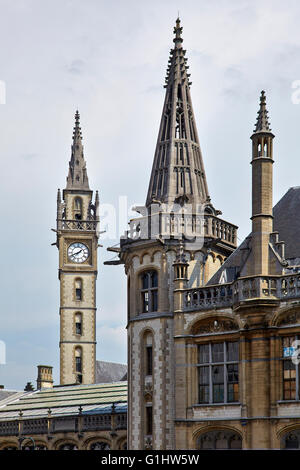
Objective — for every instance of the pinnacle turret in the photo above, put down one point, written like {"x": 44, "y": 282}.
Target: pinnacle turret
{"x": 77, "y": 177}
{"x": 178, "y": 174}
{"x": 262, "y": 122}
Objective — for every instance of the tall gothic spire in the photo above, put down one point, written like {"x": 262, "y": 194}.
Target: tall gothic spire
{"x": 77, "y": 177}
{"x": 262, "y": 122}
{"x": 178, "y": 172}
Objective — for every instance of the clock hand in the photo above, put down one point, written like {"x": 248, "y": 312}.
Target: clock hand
{"x": 77, "y": 252}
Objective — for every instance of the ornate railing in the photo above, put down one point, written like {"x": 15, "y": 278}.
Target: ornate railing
{"x": 121, "y": 421}
{"x": 85, "y": 225}
{"x": 61, "y": 424}
{"x": 35, "y": 426}
{"x": 9, "y": 428}
{"x": 172, "y": 225}
{"x": 92, "y": 422}
{"x": 227, "y": 295}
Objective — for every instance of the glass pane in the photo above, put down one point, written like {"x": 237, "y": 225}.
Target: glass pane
{"x": 149, "y": 360}
{"x": 145, "y": 298}
{"x": 78, "y": 294}
{"x": 203, "y": 394}
{"x": 78, "y": 364}
{"x": 154, "y": 279}
{"x": 154, "y": 301}
{"x": 287, "y": 348}
{"x": 218, "y": 393}
{"x": 145, "y": 281}
{"x": 203, "y": 375}
{"x": 218, "y": 374}
{"x": 203, "y": 353}
{"x": 232, "y": 351}
{"x": 78, "y": 328}
{"x": 218, "y": 352}
{"x": 232, "y": 373}
{"x": 232, "y": 392}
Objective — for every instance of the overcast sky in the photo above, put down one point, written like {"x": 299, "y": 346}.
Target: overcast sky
{"x": 109, "y": 60}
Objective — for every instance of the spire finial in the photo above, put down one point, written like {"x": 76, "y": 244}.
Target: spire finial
{"x": 177, "y": 31}
{"x": 77, "y": 129}
{"x": 262, "y": 123}
{"x": 77, "y": 177}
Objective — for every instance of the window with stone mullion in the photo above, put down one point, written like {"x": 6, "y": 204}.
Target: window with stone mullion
{"x": 149, "y": 291}
{"x": 218, "y": 373}
{"x": 290, "y": 370}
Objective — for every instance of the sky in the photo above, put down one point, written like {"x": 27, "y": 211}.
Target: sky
{"x": 109, "y": 59}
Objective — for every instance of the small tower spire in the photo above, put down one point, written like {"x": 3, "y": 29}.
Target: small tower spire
{"x": 262, "y": 122}
{"x": 77, "y": 177}
{"x": 262, "y": 190}
{"x": 178, "y": 174}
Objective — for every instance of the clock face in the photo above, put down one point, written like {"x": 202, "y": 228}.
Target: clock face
{"x": 78, "y": 252}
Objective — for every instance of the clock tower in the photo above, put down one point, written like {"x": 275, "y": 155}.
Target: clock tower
{"x": 77, "y": 242}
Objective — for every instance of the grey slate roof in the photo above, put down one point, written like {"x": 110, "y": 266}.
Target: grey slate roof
{"x": 110, "y": 372}
{"x": 286, "y": 221}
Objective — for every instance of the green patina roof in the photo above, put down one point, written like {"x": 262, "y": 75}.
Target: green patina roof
{"x": 65, "y": 400}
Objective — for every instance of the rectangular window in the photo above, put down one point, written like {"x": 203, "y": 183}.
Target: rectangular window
{"x": 145, "y": 298}
{"x": 78, "y": 328}
{"x": 218, "y": 372}
{"x": 149, "y": 360}
{"x": 290, "y": 370}
{"x": 149, "y": 420}
{"x": 78, "y": 364}
{"x": 78, "y": 294}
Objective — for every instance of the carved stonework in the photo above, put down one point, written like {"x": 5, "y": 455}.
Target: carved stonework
{"x": 148, "y": 392}
{"x": 291, "y": 319}
{"x": 216, "y": 326}
{"x": 148, "y": 443}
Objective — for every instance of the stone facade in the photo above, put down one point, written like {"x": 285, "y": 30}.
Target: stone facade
{"x": 222, "y": 320}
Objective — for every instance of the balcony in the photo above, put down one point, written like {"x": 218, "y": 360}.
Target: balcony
{"x": 227, "y": 295}
{"x": 166, "y": 225}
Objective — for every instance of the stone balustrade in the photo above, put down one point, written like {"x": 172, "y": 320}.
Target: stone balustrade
{"x": 243, "y": 289}
{"x": 174, "y": 225}
{"x": 59, "y": 424}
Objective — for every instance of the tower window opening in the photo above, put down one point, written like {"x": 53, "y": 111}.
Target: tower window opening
{"x": 149, "y": 291}
{"x": 78, "y": 364}
{"x": 149, "y": 420}
{"x": 78, "y": 324}
{"x": 78, "y": 207}
{"x": 78, "y": 289}
{"x": 149, "y": 353}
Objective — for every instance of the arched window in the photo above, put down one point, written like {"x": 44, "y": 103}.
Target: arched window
{"x": 149, "y": 291}
{"x": 291, "y": 440}
{"x": 78, "y": 289}
{"x": 78, "y": 364}
{"x": 68, "y": 446}
{"x": 100, "y": 446}
{"x": 148, "y": 353}
{"x": 78, "y": 323}
{"x": 219, "y": 440}
{"x": 77, "y": 208}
